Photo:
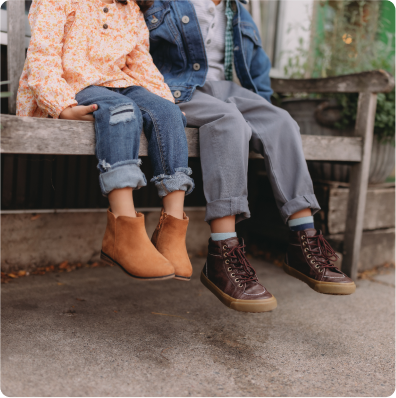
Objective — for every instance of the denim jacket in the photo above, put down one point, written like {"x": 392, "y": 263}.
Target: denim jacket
{"x": 178, "y": 49}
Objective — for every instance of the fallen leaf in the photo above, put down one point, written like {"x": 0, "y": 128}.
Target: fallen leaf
{"x": 60, "y": 284}
{"x": 21, "y": 273}
{"x": 94, "y": 265}
{"x": 12, "y": 275}
{"x": 35, "y": 217}
{"x": 80, "y": 299}
{"x": 64, "y": 265}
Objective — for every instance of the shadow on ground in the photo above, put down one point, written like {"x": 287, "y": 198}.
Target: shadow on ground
{"x": 97, "y": 332}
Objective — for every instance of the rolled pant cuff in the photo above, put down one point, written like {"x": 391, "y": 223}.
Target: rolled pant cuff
{"x": 299, "y": 203}
{"x": 238, "y": 206}
{"x": 180, "y": 181}
{"x": 121, "y": 175}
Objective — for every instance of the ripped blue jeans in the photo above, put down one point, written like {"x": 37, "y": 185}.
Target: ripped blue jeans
{"x": 121, "y": 115}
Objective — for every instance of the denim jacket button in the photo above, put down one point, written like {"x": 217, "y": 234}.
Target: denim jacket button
{"x": 185, "y": 19}
{"x": 236, "y": 48}
{"x": 177, "y": 94}
{"x": 197, "y": 66}
{"x": 154, "y": 20}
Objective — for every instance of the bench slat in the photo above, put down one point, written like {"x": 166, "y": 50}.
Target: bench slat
{"x": 27, "y": 135}
{"x": 376, "y": 81}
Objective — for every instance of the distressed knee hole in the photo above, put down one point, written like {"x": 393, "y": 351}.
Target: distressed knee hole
{"x": 121, "y": 114}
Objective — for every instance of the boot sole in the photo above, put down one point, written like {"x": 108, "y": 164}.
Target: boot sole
{"x": 107, "y": 259}
{"x": 319, "y": 286}
{"x": 182, "y": 278}
{"x": 237, "y": 304}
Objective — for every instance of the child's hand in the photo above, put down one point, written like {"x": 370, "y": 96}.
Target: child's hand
{"x": 79, "y": 112}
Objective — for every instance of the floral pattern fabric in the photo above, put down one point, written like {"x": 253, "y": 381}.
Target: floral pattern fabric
{"x": 79, "y": 43}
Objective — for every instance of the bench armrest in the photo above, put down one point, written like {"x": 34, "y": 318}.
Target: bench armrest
{"x": 376, "y": 81}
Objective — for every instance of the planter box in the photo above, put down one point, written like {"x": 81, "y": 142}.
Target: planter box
{"x": 333, "y": 197}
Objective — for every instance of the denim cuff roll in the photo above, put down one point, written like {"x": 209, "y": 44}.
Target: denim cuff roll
{"x": 121, "y": 175}
{"x": 299, "y": 203}
{"x": 180, "y": 181}
{"x": 237, "y": 206}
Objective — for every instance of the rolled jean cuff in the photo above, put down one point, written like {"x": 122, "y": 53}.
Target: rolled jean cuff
{"x": 121, "y": 175}
{"x": 299, "y": 203}
{"x": 180, "y": 181}
{"x": 238, "y": 206}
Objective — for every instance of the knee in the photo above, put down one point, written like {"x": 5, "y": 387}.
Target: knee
{"x": 121, "y": 112}
{"x": 239, "y": 129}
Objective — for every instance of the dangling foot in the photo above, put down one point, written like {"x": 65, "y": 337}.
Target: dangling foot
{"x": 127, "y": 245}
{"x": 230, "y": 277}
{"x": 170, "y": 240}
{"x": 310, "y": 258}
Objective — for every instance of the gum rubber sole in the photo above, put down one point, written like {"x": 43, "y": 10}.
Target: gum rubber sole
{"x": 319, "y": 286}
{"x": 107, "y": 259}
{"x": 237, "y": 304}
{"x": 182, "y": 278}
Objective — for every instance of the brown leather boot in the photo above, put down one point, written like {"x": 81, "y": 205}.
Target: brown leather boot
{"x": 229, "y": 276}
{"x": 170, "y": 240}
{"x": 127, "y": 245}
{"x": 310, "y": 258}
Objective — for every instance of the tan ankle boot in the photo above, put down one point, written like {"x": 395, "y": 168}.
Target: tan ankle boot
{"x": 170, "y": 240}
{"x": 127, "y": 245}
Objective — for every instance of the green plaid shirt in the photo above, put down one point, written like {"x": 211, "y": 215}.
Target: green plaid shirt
{"x": 229, "y": 42}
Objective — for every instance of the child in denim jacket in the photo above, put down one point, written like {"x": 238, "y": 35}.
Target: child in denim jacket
{"x": 210, "y": 54}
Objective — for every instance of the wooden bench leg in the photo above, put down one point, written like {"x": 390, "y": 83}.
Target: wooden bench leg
{"x": 358, "y": 184}
{"x": 15, "y": 48}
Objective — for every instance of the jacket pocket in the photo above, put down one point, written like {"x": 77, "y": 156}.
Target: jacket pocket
{"x": 251, "y": 33}
{"x": 155, "y": 18}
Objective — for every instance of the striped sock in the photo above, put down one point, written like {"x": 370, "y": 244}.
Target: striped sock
{"x": 223, "y": 235}
{"x": 299, "y": 224}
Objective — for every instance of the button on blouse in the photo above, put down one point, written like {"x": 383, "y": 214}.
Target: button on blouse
{"x": 89, "y": 47}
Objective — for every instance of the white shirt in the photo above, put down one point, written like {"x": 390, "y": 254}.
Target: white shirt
{"x": 213, "y": 22}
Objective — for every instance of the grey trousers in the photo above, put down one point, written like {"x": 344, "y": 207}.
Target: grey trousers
{"x": 232, "y": 121}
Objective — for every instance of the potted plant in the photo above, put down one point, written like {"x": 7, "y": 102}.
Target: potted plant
{"x": 346, "y": 42}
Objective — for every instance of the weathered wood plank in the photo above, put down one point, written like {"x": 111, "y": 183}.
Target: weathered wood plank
{"x": 359, "y": 181}
{"x": 66, "y": 137}
{"x": 380, "y": 211}
{"x": 377, "y": 81}
{"x": 377, "y": 248}
{"x": 15, "y": 47}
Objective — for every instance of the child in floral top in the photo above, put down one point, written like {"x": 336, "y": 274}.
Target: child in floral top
{"x": 89, "y": 60}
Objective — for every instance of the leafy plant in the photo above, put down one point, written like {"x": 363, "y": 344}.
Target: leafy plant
{"x": 348, "y": 44}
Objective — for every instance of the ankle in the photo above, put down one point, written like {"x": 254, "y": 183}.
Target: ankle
{"x": 216, "y": 236}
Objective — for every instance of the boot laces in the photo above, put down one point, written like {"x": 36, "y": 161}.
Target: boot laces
{"x": 324, "y": 254}
{"x": 240, "y": 265}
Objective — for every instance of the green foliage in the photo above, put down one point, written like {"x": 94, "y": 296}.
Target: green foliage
{"x": 349, "y": 43}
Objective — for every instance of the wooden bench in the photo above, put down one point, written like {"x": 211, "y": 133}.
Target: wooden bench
{"x": 23, "y": 135}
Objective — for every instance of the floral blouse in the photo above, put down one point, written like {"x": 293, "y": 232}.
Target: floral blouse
{"x": 78, "y": 43}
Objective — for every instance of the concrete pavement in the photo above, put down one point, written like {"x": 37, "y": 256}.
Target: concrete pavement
{"x": 97, "y": 332}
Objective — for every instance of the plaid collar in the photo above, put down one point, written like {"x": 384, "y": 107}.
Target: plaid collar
{"x": 229, "y": 42}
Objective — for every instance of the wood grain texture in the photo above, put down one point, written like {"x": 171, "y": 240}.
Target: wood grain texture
{"x": 15, "y": 47}
{"x": 54, "y": 136}
{"x": 379, "y": 210}
{"x": 358, "y": 184}
{"x": 377, "y": 81}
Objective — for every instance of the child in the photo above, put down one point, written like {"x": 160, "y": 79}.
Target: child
{"x": 197, "y": 44}
{"x": 89, "y": 60}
